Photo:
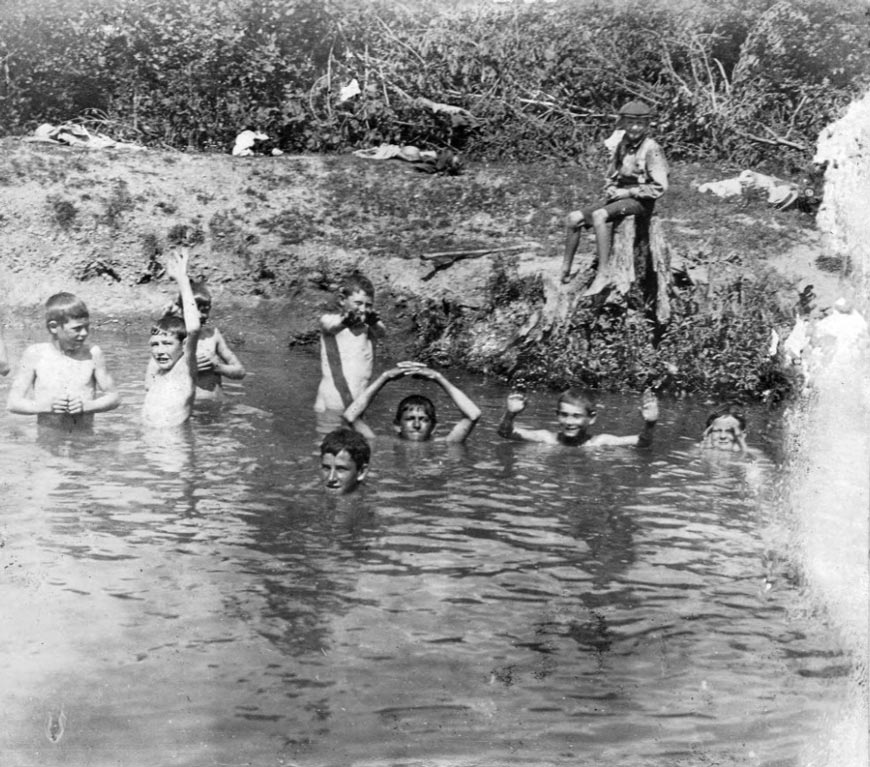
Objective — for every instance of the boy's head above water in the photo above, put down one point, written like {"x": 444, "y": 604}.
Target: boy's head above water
{"x": 68, "y": 320}
{"x": 344, "y": 460}
{"x": 415, "y": 418}
{"x": 167, "y": 341}
{"x": 725, "y": 430}
{"x": 575, "y": 412}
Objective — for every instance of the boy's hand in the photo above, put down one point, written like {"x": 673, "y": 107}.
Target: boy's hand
{"x": 204, "y": 361}
{"x": 60, "y": 405}
{"x": 372, "y": 318}
{"x": 75, "y": 405}
{"x": 649, "y": 408}
{"x": 515, "y": 403}
{"x": 177, "y": 262}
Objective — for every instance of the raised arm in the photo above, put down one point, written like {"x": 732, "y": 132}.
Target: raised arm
{"x": 355, "y": 411}
{"x": 470, "y": 411}
{"x": 176, "y": 267}
{"x": 514, "y": 405}
{"x": 649, "y": 410}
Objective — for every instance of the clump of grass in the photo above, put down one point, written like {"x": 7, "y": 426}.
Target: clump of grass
{"x": 119, "y": 202}
{"x": 63, "y": 212}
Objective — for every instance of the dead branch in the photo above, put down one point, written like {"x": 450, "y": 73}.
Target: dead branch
{"x": 478, "y": 252}
{"x": 775, "y": 141}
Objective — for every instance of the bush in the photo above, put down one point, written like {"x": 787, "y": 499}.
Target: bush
{"x": 731, "y": 80}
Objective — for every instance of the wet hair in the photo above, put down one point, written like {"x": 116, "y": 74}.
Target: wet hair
{"x": 357, "y": 282}
{"x": 416, "y": 400}
{"x": 170, "y": 324}
{"x": 63, "y": 307}
{"x": 347, "y": 439}
{"x": 734, "y": 413}
{"x": 578, "y": 398}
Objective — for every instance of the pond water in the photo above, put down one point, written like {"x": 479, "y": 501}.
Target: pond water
{"x": 195, "y": 599}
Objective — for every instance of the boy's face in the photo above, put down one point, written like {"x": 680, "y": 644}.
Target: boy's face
{"x": 340, "y": 473}
{"x": 203, "y": 305}
{"x": 724, "y": 433}
{"x": 166, "y": 349}
{"x": 415, "y": 424}
{"x": 72, "y": 334}
{"x": 573, "y": 420}
{"x": 635, "y": 128}
{"x": 359, "y": 303}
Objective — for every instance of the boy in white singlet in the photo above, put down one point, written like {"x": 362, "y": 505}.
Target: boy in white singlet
{"x": 170, "y": 379}
{"x": 346, "y": 345}
{"x": 64, "y": 381}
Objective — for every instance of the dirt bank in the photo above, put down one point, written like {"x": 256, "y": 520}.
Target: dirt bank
{"x": 276, "y": 232}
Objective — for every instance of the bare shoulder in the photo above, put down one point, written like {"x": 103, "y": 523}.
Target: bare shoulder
{"x": 541, "y": 436}
{"x": 610, "y": 440}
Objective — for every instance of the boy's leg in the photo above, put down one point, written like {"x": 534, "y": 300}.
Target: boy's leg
{"x": 573, "y": 227}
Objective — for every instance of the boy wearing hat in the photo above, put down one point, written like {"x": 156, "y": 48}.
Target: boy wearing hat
{"x": 636, "y": 178}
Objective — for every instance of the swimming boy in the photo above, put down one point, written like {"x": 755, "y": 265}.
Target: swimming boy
{"x": 415, "y": 416}
{"x": 725, "y": 430}
{"x": 170, "y": 382}
{"x": 636, "y": 178}
{"x": 575, "y": 412}
{"x": 346, "y": 345}
{"x": 344, "y": 460}
{"x": 215, "y": 359}
{"x": 63, "y": 381}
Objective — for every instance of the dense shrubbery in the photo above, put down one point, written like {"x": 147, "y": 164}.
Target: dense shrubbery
{"x": 716, "y": 343}
{"x": 732, "y": 80}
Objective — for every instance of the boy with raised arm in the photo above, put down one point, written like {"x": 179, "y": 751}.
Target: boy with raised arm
{"x": 64, "y": 381}
{"x": 575, "y": 412}
{"x": 215, "y": 359}
{"x": 170, "y": 382}
{"x": 415, "y": 416}
{"x": 346, "y": 345}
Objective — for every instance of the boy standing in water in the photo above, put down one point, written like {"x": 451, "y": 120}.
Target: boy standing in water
{"x": 170, "y": 382}
{"x": 346, "y": 345}
{"x": 344, "y": 460}
{"x": 215, "y": 359}
{"x": 415, "y": 417}
{"x": 576, "y": 413}
{"x": 64, "y": 381}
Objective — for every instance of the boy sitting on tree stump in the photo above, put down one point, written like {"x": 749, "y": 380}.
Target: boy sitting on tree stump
{"x": 636, "y": 178}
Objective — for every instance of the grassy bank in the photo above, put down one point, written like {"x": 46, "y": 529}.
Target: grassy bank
{"x": 279, "y": 232}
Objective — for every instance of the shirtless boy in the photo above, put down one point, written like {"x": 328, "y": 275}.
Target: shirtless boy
{"x": 215, "y": 359}
{"x": 344, "y": 460}
{"x": 415, "y": 416}
{"x": 346, "y": 345}
{"x": 170, "y": 382}
{"x": 64, "y": 381}
{"x": 575, "y": 412}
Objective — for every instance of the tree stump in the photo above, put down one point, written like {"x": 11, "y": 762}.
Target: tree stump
{"x": 640, "y": 254}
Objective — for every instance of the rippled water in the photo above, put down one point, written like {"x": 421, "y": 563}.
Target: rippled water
{"x": 197, "y": 600}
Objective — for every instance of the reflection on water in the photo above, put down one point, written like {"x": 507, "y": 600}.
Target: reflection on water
{"x": 194, "y": 598}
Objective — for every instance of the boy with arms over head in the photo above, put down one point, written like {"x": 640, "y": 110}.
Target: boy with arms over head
{"x": 636, "y": 178}
{"x": 63, "y": 381}
{"x": 415, "y": 416}
{"x": 170, "y": 382}
{"x": 346, "y": 345}
{"x": 344, "y": 460}
{"x": 215, "y": 359}
{"x": 576, "y": 413}
{"x": 725, "y": 430}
